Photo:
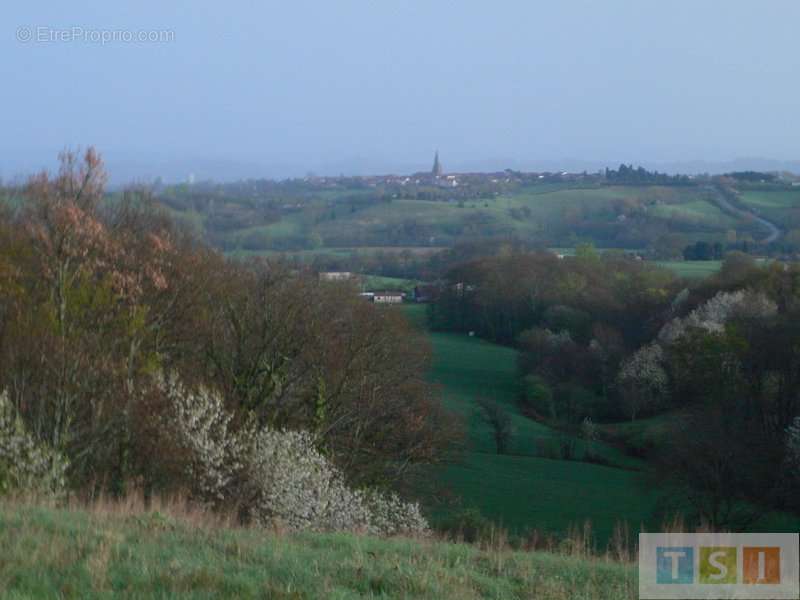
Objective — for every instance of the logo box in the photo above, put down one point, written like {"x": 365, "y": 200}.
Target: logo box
{"x": 718, "y": 565}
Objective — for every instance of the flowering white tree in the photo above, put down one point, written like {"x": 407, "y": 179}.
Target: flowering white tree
{"x": 713, "y": 315}
{"x": 275, "y": 476}
{"x": 643, "y": 380}
{"x": 26, "y": 464}
{"x": 200, "y": 426}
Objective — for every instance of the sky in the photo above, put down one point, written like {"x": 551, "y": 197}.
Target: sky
{"x": 261, "y": 88}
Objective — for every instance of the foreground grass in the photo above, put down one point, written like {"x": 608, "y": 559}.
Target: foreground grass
{"x": 59, "y": 553}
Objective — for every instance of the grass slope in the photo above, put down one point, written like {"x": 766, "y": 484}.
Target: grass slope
{"x": 374, "y": 283}
{"x": 781, "y": 207}
{"x": 50, "y": 553}
{"x": 700, "y": 212}
{"x": 523, "y": 491}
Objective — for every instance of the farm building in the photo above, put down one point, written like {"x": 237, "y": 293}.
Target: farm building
{"x": 388, "y": 297}
{"x": 336, "y": 275}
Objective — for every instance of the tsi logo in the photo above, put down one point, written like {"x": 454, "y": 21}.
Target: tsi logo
{"x": 683, "y": 565}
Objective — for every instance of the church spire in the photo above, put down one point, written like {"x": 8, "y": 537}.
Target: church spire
{"x": 437, "y": 166}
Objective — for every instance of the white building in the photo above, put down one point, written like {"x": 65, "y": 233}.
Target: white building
{"x": 388, "y": 297}
{"x": 336, "y": 276}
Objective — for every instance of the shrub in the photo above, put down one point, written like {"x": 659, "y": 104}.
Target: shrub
{"x": 276, "y": 477}
{"x": 199, "y": 426}
{"x": 537, "y": 397}
{"x": 468, "y": 525}
{"x": 26, "y": 465}
{"x": 391, "y": 515}
{"x": 289, "y": 482}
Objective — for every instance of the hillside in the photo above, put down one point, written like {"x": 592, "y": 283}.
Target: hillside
{"x": 302, "y": 218}
{"x": 524, "y": 490}
{"x": 60, "y": 553}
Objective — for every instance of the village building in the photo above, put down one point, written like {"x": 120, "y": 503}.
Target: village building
{"x": 336, "y": 276}
{"x": 388, "y": 297}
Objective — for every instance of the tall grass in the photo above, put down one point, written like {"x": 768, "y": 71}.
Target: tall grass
{"x": 166, "y": 548}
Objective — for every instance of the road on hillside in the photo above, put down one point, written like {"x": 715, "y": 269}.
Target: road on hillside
{"x": 723, "y": 203}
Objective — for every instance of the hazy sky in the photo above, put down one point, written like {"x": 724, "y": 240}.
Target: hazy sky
{"x": 373, "y": 85}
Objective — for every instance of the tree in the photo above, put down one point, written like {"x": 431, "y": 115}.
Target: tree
{"x": 494, "y": 415}
{"x": 714, "y": 465}
{"x": 643, "y": 381}
{"x": 669, "y": 246}
{"x": 737, "y": 267}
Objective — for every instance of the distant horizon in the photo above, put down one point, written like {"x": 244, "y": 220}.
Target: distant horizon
{"x": 172, "y": 170}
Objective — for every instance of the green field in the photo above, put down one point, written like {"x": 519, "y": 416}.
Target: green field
{"x": 700, "y": 212}
{"x": 521, "y": 490}
{"x": 781, "y": 207}
{"x": 772, "y": 199}
{"x": 691, "y": 268}
{"x": 345, "y": 252}
{"x": 57, "y": 553}
{"x": 373, "y": 283}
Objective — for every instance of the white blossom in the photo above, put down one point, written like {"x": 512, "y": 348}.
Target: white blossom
{"x": 25, "y": 463}
{"x": 712, "y": 315}
{"x": 200, "y": 426}
{"x": 643, "y": 379}
{"x": 276, "y": 477}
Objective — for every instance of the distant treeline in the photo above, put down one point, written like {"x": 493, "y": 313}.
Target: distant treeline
{"x": 630, "y": 175}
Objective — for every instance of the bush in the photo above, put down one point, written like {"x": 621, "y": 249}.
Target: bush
{"x": 276, "y": 477}
{"x": 537, "y": 397}
{"x": 468, "y": 525}
{"x": 26, "y": 465}
{"x": 199, "y": 426}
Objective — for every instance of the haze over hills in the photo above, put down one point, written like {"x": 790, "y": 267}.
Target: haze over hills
{"x": 124, "y": 169}
{"x": 173, "y": 170}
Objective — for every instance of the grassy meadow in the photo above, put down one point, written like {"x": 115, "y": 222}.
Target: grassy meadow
{"x": 132, "y": 553}
{"x": 373, "y": 283}
{"x": 781, "y": 207}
